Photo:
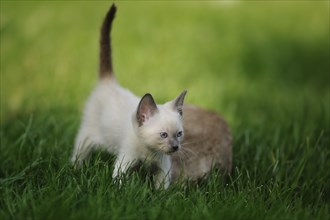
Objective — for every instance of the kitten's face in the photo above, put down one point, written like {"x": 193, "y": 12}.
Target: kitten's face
{"x": 163, "y": 131}
{"x": 160, "y": 127}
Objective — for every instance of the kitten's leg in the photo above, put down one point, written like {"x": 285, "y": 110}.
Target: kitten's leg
{"x": 163, "y": 177}
{"x": 123, "y": 162}
{"x": 82, "y": 149}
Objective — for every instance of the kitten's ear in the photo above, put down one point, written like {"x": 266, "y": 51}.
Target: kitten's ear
{"x": 146, "y": 108}
{"x": 178, "y": 102}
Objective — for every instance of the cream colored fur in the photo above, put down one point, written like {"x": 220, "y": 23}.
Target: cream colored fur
{"x": 110, "y": 123}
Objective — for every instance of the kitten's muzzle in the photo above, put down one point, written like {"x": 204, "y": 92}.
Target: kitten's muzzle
{"x": 174, "y": 145}
{"x": 172, "y": 149}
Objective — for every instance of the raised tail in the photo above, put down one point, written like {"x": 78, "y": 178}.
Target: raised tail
{"x": 106, "y": 68}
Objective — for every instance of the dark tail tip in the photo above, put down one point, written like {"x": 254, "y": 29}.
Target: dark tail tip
{"x": 106, "y": 68}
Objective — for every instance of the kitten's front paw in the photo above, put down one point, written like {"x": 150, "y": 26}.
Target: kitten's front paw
{"x": 121, "y": 166}
{"x": 76, "y": 163}
{"x": 117, "y": 180}
{"x": 161, "y": 185}
{"x": 162, "y": 182}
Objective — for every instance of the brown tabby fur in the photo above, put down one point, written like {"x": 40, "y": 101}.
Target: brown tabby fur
{"x": 207, "y": 144}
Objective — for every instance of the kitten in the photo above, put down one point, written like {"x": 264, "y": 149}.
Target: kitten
{"x": 132, "y": 128}
{"x": 207, "y": 144}
{"x": 136, "y": 129}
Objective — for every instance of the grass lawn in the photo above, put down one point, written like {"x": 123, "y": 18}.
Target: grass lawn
{"x": 263, "y": 65}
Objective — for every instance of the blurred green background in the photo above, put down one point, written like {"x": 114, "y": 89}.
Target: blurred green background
{"x": 264, "y": 65}
{"x": 227, "y": 54}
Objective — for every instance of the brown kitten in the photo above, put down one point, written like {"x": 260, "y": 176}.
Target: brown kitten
{"x": 207, "y": 143}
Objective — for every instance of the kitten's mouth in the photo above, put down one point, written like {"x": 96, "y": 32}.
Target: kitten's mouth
{"x": 171, "y": 152}
{"x": 168, "y": 150}
{"x": 164, "y": 151}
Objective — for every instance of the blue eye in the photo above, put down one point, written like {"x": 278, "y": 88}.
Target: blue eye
{"x": 163, "y": 135}
{"x": 179, "y": 134}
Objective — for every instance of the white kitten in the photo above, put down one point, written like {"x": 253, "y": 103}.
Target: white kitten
{"x": 132, "y": 128}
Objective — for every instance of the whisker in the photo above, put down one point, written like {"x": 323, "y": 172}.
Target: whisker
{"x": 192, "y": 142}
{"x": 182, "y": 154}
{"x": 187, "y": 150}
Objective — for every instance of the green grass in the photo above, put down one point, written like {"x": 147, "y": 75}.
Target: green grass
{"x": 263, "y": 65}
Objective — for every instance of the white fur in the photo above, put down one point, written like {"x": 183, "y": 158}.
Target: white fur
{"x": 110, "y": 123}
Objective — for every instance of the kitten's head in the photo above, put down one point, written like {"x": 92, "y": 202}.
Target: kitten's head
{"x": 160, "y": 127}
